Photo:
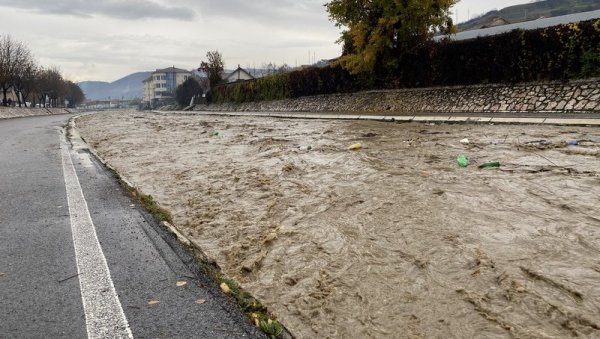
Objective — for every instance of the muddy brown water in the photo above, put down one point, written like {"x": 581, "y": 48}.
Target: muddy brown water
{"x": 394, "y": 240}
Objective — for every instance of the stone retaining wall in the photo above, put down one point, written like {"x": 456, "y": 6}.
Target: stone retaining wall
{"x": 15, "y": 112}
{"x": 554, "y": 97}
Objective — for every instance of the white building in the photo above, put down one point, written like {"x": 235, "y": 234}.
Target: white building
{"x": 163, "y": 83}
{"x": 239, "y": 74}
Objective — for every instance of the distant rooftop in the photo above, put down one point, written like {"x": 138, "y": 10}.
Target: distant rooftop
{"x": 528, "y": 25}
{"x": 172, "y": 70}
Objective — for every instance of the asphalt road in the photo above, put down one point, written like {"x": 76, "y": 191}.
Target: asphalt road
{"x": 79, "y": 258}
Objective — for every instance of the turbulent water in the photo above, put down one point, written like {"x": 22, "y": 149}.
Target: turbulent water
{"x": 393, "y": 240}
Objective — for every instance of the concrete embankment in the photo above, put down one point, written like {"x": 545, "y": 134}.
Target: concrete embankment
{"x": 16, "y": 112}
{"x": 579, "y": 96}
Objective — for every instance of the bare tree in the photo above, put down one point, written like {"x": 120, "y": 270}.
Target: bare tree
{"x": 57, "y": 87}
{"x": 269, "y": 69}
{"x": 5, "y": 62}
{"x": 213, "y": 67}
{"x": 20, "y": 72}
{"x": 272, "y": 68}
{"x": 24, "y": 81}
{"x": 74, "y": 94}
{"x": 51, "y": 86}
{"x": 204, "y": 83}
{"x": 13, "y": 56}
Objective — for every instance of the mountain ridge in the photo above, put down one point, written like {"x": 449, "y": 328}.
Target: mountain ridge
{"x": 531, "y": 11}
{"x": 128, "y": 87}
{"x": 131, "y": 86}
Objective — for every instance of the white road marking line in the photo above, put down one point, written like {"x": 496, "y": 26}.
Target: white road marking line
{"x": 104, "y": 314}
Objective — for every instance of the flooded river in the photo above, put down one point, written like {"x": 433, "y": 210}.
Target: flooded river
{"x": 394, "y": 240}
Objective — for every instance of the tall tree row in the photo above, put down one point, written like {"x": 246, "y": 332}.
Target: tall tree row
{"x": 30, "y": 82}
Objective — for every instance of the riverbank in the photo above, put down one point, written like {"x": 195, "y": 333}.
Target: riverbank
{"x": 392, "y": 240}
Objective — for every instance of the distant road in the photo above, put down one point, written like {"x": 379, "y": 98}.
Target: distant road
{"x": 78, "y": 258}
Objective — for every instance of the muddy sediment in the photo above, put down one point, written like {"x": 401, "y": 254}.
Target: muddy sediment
{"x": 394, "y": 240}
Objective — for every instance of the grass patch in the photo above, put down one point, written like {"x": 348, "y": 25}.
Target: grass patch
{"x": 271, "y": 327}
{"x": 149, "y": 204}
{"x": 146, "y": 200}
{"x": 157, "y": 211}
{"x": 257, "y": 312}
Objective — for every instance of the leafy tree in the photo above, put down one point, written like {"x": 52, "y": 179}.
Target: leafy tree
{"x": 378, "y": 32}
{"x": 213, "y": 68}
{"x": 186, "y": 91}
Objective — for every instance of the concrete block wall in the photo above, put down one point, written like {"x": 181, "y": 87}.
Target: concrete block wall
{"x": 556, "y": 97}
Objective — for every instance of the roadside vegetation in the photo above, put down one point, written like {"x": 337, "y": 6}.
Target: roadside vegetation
{"x": 258, "y": 313}
{"x": 31, "y": 82}
{"x": 389, "y": 45}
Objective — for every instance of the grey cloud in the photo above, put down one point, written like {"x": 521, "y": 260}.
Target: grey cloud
{"x": 284, "y": 12}
{"x": 120, "y": 9}
{"x": 141, "y": 53}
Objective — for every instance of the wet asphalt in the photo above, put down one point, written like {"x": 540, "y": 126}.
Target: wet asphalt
{"x": 40, "y": 294}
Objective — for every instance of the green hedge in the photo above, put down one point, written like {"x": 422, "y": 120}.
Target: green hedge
{"x": 267, "y": 88}
{"x": 554, "y": 53}
{"x": 310, "y": 81}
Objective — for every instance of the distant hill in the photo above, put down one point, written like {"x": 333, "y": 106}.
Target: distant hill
{"x": 132, "y": 86}
{"x": 530, "y": 11}
{"x": 128, "y": 87}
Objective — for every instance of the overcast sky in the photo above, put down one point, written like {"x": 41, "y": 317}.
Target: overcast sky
{"x": 108, "y": 39}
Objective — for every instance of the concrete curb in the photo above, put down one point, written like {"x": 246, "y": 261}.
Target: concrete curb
{"x": 178, "y": 234}
{"x": 80, "y": 144}
{"x": 543, "y": 120}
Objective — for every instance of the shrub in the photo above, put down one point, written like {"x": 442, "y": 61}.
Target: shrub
{"x": 590, "y": 63}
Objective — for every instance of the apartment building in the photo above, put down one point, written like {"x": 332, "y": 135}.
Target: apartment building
{"x": 161, "y": 85}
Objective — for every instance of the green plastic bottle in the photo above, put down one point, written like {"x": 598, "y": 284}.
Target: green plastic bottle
{"x": 491, "y": 164}
{"x": 462, "y": 161}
